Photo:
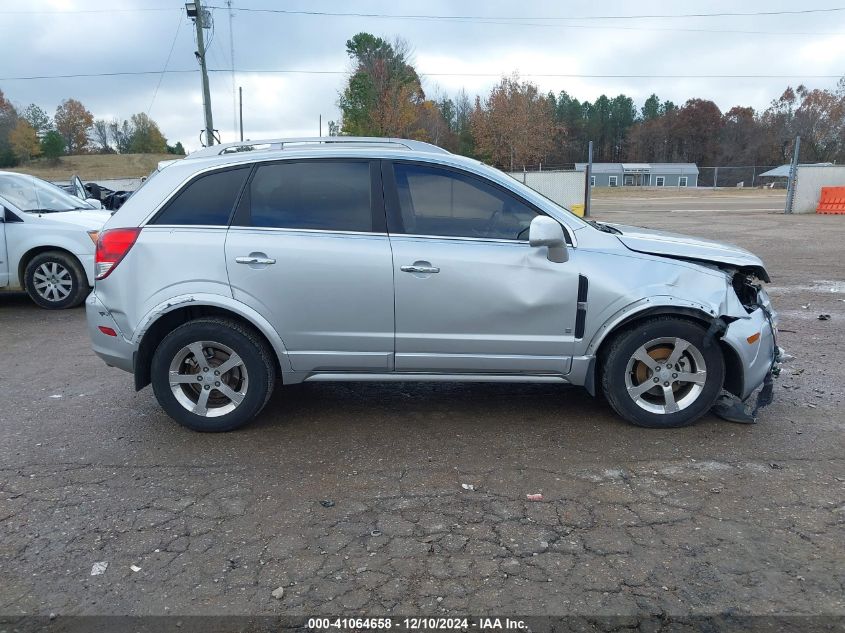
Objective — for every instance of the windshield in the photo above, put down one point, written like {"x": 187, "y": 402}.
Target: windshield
{"x": 35, "y": 195}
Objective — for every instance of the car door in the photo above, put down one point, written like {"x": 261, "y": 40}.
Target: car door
{"x": 471, "y": 295}
{"x": 309, "y": 250}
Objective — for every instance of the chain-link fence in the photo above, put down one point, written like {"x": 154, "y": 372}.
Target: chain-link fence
{"x": 737, "y": 176}
{"x": 565, "y": 187}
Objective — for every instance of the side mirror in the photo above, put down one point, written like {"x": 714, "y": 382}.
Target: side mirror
{"x": 94, "y": 203}
{"x": 544, "y": 231}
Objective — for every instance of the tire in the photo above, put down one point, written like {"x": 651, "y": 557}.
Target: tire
{"x": 233, "y": 398}
{"x": 55, "y": 280}
{"x": 651, "y": 394}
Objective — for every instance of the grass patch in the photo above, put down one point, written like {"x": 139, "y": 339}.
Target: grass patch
{"x": 94, "y": 166}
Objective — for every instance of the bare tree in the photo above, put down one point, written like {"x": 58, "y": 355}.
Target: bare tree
{"x": 100, "y": 136}
{"x": 121, "y": 134}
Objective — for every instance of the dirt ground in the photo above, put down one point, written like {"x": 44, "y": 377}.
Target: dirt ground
{"x": 351, "y": 497}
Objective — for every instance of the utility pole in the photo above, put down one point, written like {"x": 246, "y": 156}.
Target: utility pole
{"x": 588, "y": 191}
{"x": 241, "y": 109}
{"x": 198, "y": 14}
{"x": 793, "y": 169}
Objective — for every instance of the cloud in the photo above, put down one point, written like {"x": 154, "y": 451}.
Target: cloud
{"x": 127, "y": 39}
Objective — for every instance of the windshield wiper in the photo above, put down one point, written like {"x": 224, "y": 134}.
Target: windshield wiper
{"x": 46, "y": 210}
{"x": 604, "y": 228}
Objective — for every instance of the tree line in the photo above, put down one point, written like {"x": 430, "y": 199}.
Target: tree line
{"x": 31, "y": 133}
{"x": 515, "y": 124}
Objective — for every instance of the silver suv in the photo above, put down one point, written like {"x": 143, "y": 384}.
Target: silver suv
{"x": 356, "y": 259}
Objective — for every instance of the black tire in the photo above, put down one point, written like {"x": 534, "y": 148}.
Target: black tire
{"x": 48, "y": 289}
{"x": 258, "y": 373}
{"x": 620, "y": 369}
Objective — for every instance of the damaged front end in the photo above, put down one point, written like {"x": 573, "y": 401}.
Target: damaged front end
{"x": 752, "y": 339}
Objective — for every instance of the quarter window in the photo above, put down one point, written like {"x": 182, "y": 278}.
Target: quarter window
{"x": 317, "y": 195}
{"x": 207, "y": 201}
{"x": 448, "y": 203}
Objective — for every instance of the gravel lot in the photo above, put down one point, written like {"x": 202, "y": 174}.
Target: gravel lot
{"x": 710, "y": 519}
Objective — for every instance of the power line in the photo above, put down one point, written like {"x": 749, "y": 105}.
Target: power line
{"x": 69, "y": 11}
{"x": 512, "y": 18}
{"x": 293, "y": 71}
{"x": 127, "y": 73}
{"x": 565, "y": 75}
{"x": 166, "y": 64}
{"x": 519, "y": 21}
{"x": 606, "y": 27}
{"x": 441, "y": 17}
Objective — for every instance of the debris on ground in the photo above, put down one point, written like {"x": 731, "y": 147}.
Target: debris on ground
{"x": 534, "y": 497}
{"x": 279, "y": 593}
{"x": 775, "y": 466}
{"x": 134, "y": 568}
{"x": 467, "y": 486}
{"x": 99, "y": 568}
{"x": 327, "y": 503}
{"x": 824, "y": 317}
{"x": 375, "y": 533}
{"x": 56, "y": 395}
{"x": 730, "y": 408}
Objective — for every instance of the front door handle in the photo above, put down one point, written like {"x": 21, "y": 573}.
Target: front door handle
{"x": 417, "y": 268}
{"x": 255, "y": 258}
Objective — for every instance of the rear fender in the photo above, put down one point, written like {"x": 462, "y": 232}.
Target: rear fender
{"x": 217, "y": 301}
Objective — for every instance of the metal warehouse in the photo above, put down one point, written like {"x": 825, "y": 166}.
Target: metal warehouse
{"x": 642, "y": 174}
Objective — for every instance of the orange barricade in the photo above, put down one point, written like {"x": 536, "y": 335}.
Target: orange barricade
{"x": 832, "y": 201}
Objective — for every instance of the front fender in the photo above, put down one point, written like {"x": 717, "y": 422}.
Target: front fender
{"x": 652, "y": 306}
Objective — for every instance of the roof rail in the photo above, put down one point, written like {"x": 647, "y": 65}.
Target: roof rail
{"x": 277, "y": 144}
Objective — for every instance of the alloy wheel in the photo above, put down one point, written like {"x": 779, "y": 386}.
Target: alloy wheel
{"x": 208, "y": 378}
{"x": 52, "y": 282}
{"x": 665, "y": 375}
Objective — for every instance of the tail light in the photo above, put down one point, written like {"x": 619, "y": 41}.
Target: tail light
{"x": 112, "y": 247}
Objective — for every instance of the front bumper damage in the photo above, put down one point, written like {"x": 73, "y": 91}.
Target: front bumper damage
{"x": 754, "y": 340}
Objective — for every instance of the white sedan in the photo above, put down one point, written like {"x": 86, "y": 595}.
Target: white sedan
{"x": 47, "y": 241}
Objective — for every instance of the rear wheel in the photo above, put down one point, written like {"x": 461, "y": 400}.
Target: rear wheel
{"x": 212, "y": 374}
{"x": 660, "y": 374}
{"x": 56, "y": 280}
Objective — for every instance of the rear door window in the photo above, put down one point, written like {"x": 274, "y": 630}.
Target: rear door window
{"x": 207, "y": 200}
{"x": 324, "y": 195}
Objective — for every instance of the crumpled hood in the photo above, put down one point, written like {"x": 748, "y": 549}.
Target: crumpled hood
{"x": 690, "y": 248}
{"x": 92, "y": 220}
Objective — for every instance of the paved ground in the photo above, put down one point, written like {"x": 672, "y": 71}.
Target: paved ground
{"x": 709, "y": 519}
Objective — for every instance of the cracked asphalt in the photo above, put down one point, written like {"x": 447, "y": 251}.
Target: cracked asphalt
{"x": 715, "y": 518}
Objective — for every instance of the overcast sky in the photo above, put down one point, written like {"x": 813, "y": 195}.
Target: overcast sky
{"x": 112, "y": 36}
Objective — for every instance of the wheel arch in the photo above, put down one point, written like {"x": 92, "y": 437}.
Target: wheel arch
{"x": 161, "y": 321}
{"x": 35, "y": 251}
{"x": 733, "y": 367}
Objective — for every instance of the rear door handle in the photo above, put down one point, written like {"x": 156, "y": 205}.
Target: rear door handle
{"x": 255, "y": 259}
{"x": 416, "y": 268}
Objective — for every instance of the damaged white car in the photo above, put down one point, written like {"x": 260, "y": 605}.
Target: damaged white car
{"x": 356, "y": 259}
{"x": 47, "y": 239}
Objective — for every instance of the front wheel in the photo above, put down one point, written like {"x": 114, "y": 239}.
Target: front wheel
{"x": 662, "y": 374}
{"x": 56, "y": 280}
{"x": 212, "y": 374}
